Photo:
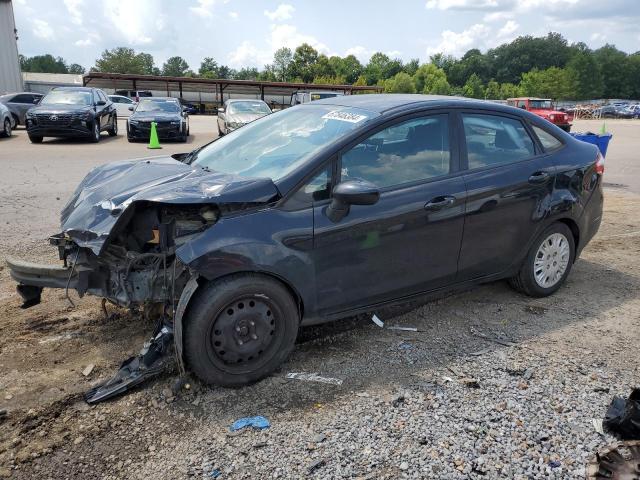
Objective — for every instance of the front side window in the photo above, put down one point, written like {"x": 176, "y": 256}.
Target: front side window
{"x": 409, "y": 151}
{"x": 493, "y": 140}
{"x": 548, "y": 141}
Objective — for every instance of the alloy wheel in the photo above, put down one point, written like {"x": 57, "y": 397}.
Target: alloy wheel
{"x": 551, "y": 260}
{"x": 7, "y": 128}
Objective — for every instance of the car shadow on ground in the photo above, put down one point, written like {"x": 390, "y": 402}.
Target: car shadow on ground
{"x": 364, "y": 355}
{"x": 104, "y": 138}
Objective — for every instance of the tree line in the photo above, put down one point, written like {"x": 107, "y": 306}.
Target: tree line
{"x": 529, "y": 66}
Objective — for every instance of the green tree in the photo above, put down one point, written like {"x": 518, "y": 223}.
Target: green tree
{"x": 473, "y": 88}
{"x": 400, "y": 83}
{"x": 76, "y": 68}
{"x": 304, "y": 60}
{"x": 553, "y": 83}
{"x": 208, "y": 68}
{"x": 125, "y": 60}
{"x": 377, "y": 68}
{"x": 509, "y": 90}
{"x": 493, "y": 91}
{"x": 634, "y": 71}
{"x": 282, "y": 60}
{"x": 175, "y": 67}
{"x": 615, "y": 64}
{"x": 411, "y": 67}
{"x": 247, "y": 73}
{"x": 430, "y": 79}
{"x": 43, "y": 64}
{"x": 586, "y": 76}
{"x": 323, "y": 68}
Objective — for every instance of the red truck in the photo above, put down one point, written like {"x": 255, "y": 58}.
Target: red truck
{"x": 543, "y": 107}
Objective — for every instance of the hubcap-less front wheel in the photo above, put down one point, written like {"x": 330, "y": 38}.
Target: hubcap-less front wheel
{"x": 244, "y": 334}
{"x": 551, "y": 260}
{"x": 7, "y": 128}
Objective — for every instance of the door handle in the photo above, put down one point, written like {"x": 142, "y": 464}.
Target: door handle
{"x": 539, "y": 177}
{"x": 438, "y": 203}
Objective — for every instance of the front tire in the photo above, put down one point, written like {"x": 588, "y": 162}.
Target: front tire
{"x": 35, "y": 139}
{"x": 113, "y": 130}
{"x": 6, "y": 130}
{"x": 240, "y": 329}
{"x": 95, "y": 134}
{"x": 548, "y": 263}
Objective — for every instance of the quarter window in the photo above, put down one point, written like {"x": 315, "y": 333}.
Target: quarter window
{"x": 410, "y": 151}
{"x": 493, "y": 140}
{"x": 548, "y": 141}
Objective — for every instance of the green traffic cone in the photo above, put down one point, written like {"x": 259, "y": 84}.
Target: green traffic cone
{"x": 153, "y": 138}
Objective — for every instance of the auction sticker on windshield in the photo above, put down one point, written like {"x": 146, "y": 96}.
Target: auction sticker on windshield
{"x": 344, "y": 116}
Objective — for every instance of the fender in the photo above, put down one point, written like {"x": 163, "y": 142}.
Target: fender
{"x": 188, "y": 291}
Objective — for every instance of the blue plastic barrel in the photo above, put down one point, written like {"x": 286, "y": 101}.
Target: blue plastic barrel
{"x": 601, "y": 141}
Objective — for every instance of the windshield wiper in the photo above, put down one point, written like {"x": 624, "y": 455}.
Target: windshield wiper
{"x": 192, "y": 156}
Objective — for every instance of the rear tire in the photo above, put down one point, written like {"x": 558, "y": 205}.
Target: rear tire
{"x": 6, "y": 130}
{"x": 239, "y": 329}
{"x": 541, "y": 274}
{"x": 35, "y": 139}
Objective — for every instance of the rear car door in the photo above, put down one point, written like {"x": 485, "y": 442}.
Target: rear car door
{"x": 19, "y": 105}
{"x": 509, "y": 187}
{"x": 408, "y": 242}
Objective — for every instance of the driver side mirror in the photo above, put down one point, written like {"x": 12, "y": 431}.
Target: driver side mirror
{"x": 131, "y": 109}
{"x": 352, "y": 192}
{"x": 220, "y": 110}
{"x": 101, "y": 103}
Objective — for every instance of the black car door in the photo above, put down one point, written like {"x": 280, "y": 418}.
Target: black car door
{"x": 408, "y": 242}
{"x": 509, "y": 186}
{"x": 102, "y": 111}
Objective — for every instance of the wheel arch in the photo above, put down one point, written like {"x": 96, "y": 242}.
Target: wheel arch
{"x": 575, "y": 230}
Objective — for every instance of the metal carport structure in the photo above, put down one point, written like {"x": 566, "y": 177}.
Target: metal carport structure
{"x": 217, "y": 87}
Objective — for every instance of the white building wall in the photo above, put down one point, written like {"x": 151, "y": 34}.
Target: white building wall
{"x": 10, "y": 78}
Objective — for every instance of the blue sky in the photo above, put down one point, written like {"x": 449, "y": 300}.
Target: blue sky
{"x": 247, "y": 32}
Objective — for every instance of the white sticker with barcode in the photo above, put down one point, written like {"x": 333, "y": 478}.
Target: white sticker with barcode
{"x": 344, "y": 116}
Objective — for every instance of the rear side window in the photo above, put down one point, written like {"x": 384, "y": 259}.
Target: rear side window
{"x": 493, "y": 140}
{"x": 548, "y": 141}
{"x": 22, "y": 98}
{"x": 409, "y": 151}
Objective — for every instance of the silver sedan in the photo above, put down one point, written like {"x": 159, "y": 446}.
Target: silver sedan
{"x": 238, "y": 112}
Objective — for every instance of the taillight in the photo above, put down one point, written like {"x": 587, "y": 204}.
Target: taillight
{"x": 599, "y": 164}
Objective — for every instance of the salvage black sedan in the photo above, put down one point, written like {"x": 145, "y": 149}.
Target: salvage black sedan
{"x": 318, "y": 212}
{"x": 72, "y": 112}
{"x": 171, "y": 119}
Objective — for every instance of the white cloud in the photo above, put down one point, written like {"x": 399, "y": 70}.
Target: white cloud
{"x": 73, "y": 7}
{"x": 463, "y": 4}
{"x": 135, "y": 29}
{"x": 453, "y": 43}
{"x": 42, "y": 29}
{"x": 280, "y": 14}
{"x": 498, "y": 16}
{"x": 598, "y": 37}
{"x": 233, "y": 15}
{"x": 204, "y": 8}
{"x": 508, "y": 29}
{"x": 361, "y": 53}
{"x": 90, "y": 40}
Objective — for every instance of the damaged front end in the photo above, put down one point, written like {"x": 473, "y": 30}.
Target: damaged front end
{"x": 124, "y": 249}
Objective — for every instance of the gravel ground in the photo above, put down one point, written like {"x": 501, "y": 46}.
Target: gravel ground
{"x": 492, "y": 385}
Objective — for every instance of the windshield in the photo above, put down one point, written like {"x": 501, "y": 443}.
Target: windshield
{"x": 277, "y": 144}
{"x": 249, "y": 107}
{"x": 543, "y": 104}
{"x": 170, "y": 106}
{"x": 67, "y": 97}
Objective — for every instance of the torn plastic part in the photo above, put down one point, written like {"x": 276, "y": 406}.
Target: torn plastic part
{"x": 377, "y": 321}
{"x": 151, "y": 360}
{"x": 314, "y": 377}
{"x": 623, "y": 416}
{"x": 30, "y": 295}
{"x": 616, "y": 462}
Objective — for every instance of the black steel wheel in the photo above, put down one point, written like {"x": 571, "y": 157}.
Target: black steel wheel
{"x": 113, "y": 130}
{"x": 6, "y": 131}
{"x": 240, "y": 329}
{"x": 95, "y": 133}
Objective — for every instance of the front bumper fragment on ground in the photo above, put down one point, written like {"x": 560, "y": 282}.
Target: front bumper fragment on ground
{"x": 33, "y": 277}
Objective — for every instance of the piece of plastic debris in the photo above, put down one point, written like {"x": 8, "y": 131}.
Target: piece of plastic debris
{"x": 403, "y": 329}
{"x": 314, "y": 377}
{"x": 315, "y": 465}
{"x": 405, "y": 346}
{"x": 554, "y": 463}
{"x": 377, "y": 321}
{"x": 598, "y": 426}
{"x": 619, "y": 461}
{"x": 447, "y": 379}
{"x": 470, "y": 383}
{"x": 623, "y": 416}
{"x": 259, "y": 423}
{"x": 88, "y": 369}
{"x": 215, "y": 473}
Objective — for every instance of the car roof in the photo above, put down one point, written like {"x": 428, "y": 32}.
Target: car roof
{"x": 233, "y": 100}
{"x": 72, "y": 89}
{"x": 384, "y": 102}
{"x": 159, "y": 99}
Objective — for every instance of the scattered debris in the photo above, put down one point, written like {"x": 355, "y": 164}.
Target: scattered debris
{"x": 528, "y": 373}
{"x": 316, "y": 465}
{"x": 259, "y": 445}
{"x": 403, "y": 329}
{"x": 535, "y": 309}
{"x": 618, "y": 461}
{"x": 554, "y": 463}
{"x": 88, "y": 369}
{"x": 601, "y": 389}
{"x": 319, "y": 438}
{"x": 3, "y": 414}
{"x": 377, "y": 321}
{"x": 405, "y": 346}
{"x": 259, "y": 423}
{"x": 447, "y": 379}
{"x": 398, "y": 400}
{"x": 314, "y": 377}
{"x": 215, "y": 473}
{"x": 470, "y": 383}
{"x": 623, "y": 416}
{"x": 598, "y": 425}
{"x": 505, "y": 343}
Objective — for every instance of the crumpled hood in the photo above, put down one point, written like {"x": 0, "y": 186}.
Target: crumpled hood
{"x": 108, "y": 190}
